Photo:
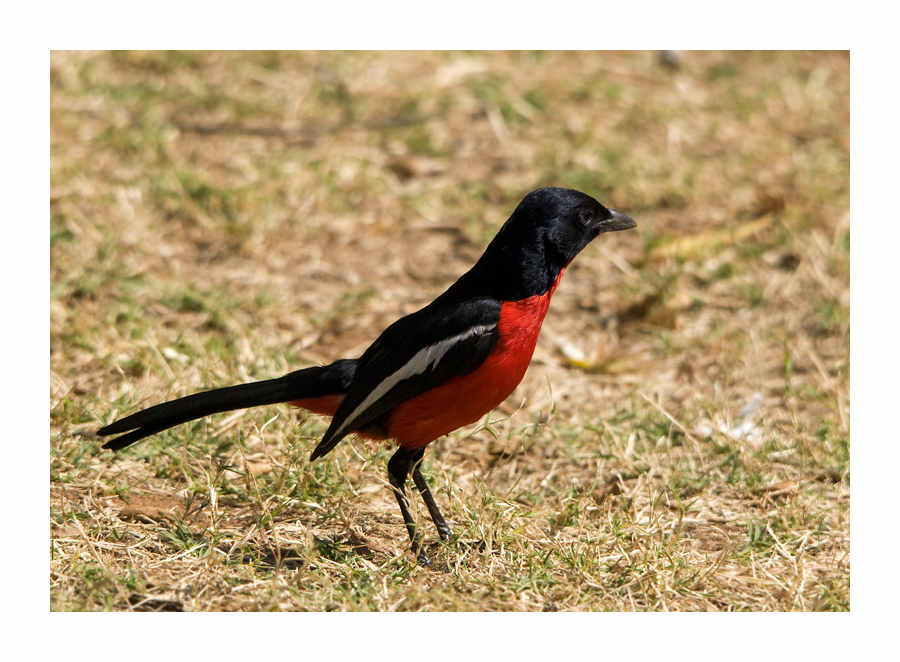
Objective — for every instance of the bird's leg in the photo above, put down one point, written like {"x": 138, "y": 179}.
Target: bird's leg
{"x": 398, "y": 470}
{"x": 443, "y": 530}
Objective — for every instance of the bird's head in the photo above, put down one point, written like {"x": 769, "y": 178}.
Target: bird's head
{"x": 545, "y": 232}
{"x": 564, "y": 221}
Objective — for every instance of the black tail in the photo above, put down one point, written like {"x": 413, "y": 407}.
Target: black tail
{"x": 307, "y": 383}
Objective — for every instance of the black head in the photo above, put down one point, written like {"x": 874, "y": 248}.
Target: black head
{"x": 567, "y": 220}
{"x": 545, "y": 232}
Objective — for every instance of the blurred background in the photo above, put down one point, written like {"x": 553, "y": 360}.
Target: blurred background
{"x": 221, "y": 217}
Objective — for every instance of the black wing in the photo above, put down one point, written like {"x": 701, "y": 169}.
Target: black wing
{"x": 417, "y": 353}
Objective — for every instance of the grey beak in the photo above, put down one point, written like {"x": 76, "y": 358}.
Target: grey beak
{"x": 619, "y": 221}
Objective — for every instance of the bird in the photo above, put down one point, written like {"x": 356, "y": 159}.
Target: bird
{"x": 435, "y": 370}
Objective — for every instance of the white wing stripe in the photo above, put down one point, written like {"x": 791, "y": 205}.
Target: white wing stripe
{"x": 423, "y": 360}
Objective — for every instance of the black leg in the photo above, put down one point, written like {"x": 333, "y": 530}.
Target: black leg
{"x": 398, "y": 470}
{"x": 443, "y": 530}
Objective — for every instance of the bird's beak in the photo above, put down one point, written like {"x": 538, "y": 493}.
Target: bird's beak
{"x": 618, "y": 222}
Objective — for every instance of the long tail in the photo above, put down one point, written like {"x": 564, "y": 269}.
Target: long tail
{"x": 316, "y": 385}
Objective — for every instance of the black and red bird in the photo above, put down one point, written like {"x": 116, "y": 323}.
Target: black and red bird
{"x": 436, "y": 370}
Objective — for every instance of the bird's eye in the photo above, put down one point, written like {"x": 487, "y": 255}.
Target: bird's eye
{"x": 586, "y": 216}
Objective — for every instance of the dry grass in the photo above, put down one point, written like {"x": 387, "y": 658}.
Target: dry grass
{"x": 681, "y": 441}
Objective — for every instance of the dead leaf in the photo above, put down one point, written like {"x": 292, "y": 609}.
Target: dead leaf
{"x": 408, "y": 167}
{"x": 691, "y": 245}
{"x": 259, "y": 468}
{"x": 147, "y": 514}
{"x": 779, "y": 489}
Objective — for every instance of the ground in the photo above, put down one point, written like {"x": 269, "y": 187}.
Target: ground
{"x": 681, "y": 439}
